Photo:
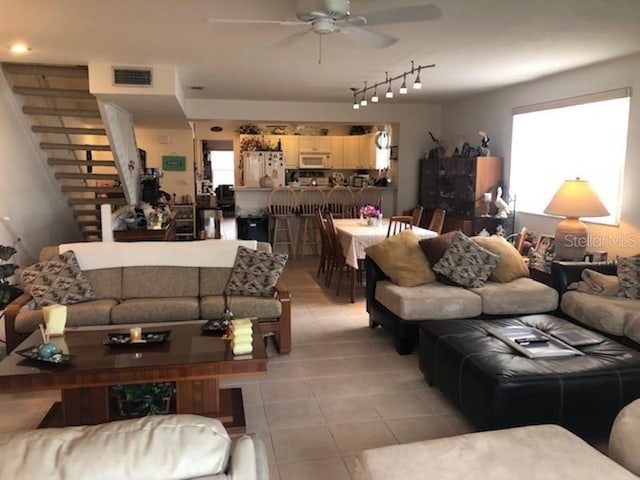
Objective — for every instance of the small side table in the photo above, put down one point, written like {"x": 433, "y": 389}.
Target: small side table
{"x": 541, "y": 272}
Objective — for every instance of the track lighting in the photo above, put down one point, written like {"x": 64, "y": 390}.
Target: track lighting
{"x": 417, "y": 85}
{"x": 403, "y": 87}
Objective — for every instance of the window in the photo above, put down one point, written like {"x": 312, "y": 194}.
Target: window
{"x": 222, "y": 168}
{"x": 582, "y": 137}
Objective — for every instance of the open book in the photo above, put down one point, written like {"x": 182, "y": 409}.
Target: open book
{"x": 532, "y": 342}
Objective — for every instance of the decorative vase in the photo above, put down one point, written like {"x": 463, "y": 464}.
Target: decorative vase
{"x": 266, "y": 182}
{"x": 371, "y": 221}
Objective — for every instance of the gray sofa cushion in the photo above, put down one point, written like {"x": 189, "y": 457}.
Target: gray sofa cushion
{"x": 143, "y": 310}
{"x": 522, "y": 295}
{"x": 106, "y": 282}
{"x": 211, "y": 307}
{"x": 613, "y": 315}
{"x": 93, "y": 312}
{"x": 431, "y": 301}
{"x": 213, "y": 280}
{"x": 160, "y": 282}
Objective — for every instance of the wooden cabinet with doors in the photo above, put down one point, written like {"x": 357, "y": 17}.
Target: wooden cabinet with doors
{"x": 337, "y": 152}
{"x": 290, "y": 149}
{"x": 458, "y": 185}
{"x": 367, "y": 151}
{"x": 351, "y": 155}
{"x": 314, "y": 144}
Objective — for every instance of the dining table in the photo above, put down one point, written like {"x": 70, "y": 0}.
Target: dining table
{"x": 356, "y": 234}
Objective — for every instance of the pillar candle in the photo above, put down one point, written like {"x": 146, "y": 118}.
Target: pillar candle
{"x": 55, "y": 318}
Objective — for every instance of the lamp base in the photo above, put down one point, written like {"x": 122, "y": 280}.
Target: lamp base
{"x": 571, "y": 240}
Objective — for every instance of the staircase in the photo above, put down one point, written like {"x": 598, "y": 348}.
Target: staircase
{"x": 65, "y": 119}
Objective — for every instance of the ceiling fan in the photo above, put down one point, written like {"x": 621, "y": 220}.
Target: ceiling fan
{"x": 334, "y": 16}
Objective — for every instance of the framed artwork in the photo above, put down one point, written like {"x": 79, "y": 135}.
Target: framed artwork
{"x": 546, "y": 248}
{"x": 174, "y": 162}
{"x": 393, "y": 152}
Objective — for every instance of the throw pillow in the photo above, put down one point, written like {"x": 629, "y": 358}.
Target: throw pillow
{"x": 629, "y": 276}
{"x": 466, "y": 263}
{"x": 435, "y": 247}
{"x": 402, "y": 260}
{"x": 58, "y": 280}
{"x": 511, "y": 265}
{"x": 254, "y": 273}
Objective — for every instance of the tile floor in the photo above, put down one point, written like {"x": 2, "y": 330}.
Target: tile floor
{"x": 341, "y": 390}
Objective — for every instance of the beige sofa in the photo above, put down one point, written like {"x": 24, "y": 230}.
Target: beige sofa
{"x": 154, "y": 282}
{"x": 533, "y": 452}
{"x": 617, "y": 317}
{"x": 161, "y": 447}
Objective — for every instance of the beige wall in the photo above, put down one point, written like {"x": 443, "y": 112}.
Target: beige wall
{"x": 159, "y": 142}
{"x": 492, "y": 112}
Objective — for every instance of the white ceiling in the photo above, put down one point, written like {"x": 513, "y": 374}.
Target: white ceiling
{"x": 477, "y": 45}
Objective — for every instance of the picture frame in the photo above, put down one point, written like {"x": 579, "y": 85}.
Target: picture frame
{"x": 546, "y": 248}
{"x": 358, "y": 182}
{"x": 174, "y": 162}
{"x": 393, "y": 152}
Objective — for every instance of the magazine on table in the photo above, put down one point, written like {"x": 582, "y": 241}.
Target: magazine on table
{"x": 532, "y": 342}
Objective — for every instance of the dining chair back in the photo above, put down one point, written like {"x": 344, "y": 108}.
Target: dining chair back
{"x": 416, "y": 215}
{"x": 338, "y": 262}
{"x": 369, "y": 196}
{"x": 398, "y": 223}
{"x": 282, "y": 205}
{"x": 437, "y": 220}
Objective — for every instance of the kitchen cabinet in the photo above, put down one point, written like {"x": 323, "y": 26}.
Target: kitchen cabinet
{"x": 290, "y": 149}
{"x": 337, "y": 152}
{"x": 458, "y": 185}
{"x": 314, "y": 144}
{"x": 351, "y": 155}
{"x": 367, "y": 151}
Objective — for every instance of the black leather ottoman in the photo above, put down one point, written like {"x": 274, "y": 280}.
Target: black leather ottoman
{"x": 496, "y": 387}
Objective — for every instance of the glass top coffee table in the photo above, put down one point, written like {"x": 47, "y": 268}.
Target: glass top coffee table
{"x": 194, "y": 361}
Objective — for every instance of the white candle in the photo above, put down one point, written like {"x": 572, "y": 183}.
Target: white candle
{"x": 487, "y": 198}
{"x": 55, "y": 318}
{"x": 136, "y": 334}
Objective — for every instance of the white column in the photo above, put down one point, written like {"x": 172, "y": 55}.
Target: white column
{"x": 106, "y": 226}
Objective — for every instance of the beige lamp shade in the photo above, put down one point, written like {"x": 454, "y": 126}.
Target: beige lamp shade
{"x": 574, "y": 199}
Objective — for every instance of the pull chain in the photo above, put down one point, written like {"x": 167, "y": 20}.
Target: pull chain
{"x": 320, "y": 50}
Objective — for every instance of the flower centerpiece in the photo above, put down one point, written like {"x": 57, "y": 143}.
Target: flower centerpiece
{"x": 371, "y": 213}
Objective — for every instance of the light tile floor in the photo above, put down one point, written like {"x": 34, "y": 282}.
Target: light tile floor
{"x": 341, "y": 390}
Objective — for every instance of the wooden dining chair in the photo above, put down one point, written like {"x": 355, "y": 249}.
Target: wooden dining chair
{"x": 326, "y": 252}
{"x": 398, "y": 223}
{"x": 338, "y": 262}
{"x": 416, "y": 215}
{"x": 437, "y": 220}
{"x": 520, "y": 238}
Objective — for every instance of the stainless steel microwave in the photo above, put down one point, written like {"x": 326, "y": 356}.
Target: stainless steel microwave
{"x": 314, "y": 160}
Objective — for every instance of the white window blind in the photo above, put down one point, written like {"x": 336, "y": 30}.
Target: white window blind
{"x": 582, "y": 137}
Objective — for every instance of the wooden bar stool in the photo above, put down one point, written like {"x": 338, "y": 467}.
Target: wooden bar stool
{"x": 369, "y": 196}
{"x": 341, "y": 202}
{"x": 310, "y": 200}
{"x": 283, "y": 205}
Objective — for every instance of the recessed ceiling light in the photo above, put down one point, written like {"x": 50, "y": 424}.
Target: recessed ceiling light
{"x": 19, "y": 48}
{"x": 216, "y": 128}
{"x": 196, "y": 87}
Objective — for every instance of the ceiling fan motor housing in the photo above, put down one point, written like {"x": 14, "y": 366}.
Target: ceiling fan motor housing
{"x": 313, "y": 10}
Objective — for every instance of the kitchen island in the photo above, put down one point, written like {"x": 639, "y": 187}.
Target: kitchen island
{"x": 254, "y": 200}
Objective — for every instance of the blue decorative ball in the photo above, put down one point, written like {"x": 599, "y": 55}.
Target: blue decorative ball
{"x": 47, "y": 350}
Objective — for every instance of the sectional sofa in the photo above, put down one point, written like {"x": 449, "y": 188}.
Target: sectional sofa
{"x": 155, "y": 282}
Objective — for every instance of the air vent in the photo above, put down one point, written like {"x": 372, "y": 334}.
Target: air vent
{"x": 132, "y": 76}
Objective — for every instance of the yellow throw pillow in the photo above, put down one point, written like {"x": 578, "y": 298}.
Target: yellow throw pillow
{"x": 511, "y": 264}
{"x": 402, "y": 260}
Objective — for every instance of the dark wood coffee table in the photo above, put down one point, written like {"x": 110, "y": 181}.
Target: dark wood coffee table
{"x": 195, "y": 362}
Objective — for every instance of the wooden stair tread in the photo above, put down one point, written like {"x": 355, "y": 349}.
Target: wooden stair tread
{"x": 53, "y": 92}
{"x": 62, "y": 112}
{"x": 68, "y": 130}
{"x": 86, "y": 176}
{"x": 96, "y": 201}
{"x": 88, "y": 188}
{"x": 69, "y": 71}
{"x": 74, "y": 146}
{"x": 80, "y": 163}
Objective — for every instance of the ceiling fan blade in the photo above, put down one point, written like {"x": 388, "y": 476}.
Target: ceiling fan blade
{"x": 368, "y": 37}
{"x": 285, "y": 23}
{"x": 415, "y": 13}
{"x": 291, "y": 39}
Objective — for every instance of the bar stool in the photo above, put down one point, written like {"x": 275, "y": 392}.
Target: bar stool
{"x": 283, "y": 205}
{"x": 310, "y": 200}
{"x": 341, "y": 202}
{"x": 369, "y": 196}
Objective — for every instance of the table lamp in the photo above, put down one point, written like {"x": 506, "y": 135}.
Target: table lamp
{"x": 574, "y": 199}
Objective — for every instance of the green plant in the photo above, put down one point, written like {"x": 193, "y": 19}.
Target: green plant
{"x": 8, "y": 291}
{"x": 141, "y": 399}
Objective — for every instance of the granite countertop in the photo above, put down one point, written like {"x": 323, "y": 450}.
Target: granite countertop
{"x": 327, "y": 187}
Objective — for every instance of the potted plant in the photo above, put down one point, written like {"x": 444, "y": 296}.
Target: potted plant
{"x": 8, "y": 291}
{"x": 142, "y": 399}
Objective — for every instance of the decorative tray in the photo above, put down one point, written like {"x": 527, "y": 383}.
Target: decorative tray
{"x": 33, "y": 354}
{"x": 147, "y": 338}
{"x": 214, "y": 327}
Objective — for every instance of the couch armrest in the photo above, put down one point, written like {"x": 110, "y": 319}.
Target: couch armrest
{"x": 10, "y": 313}
{"x": 624, "y": 442}
{"x": 249, "y": 459}
{"x": 284, "y": 329}
{"x": 373, "y": 274}
{"x": 565, "y": 273}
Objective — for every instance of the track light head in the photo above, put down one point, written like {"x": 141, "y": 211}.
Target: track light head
{"x": 374, "y": 97}
{"x": 403, "y": 87}
{"x": 417, "y": 83}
